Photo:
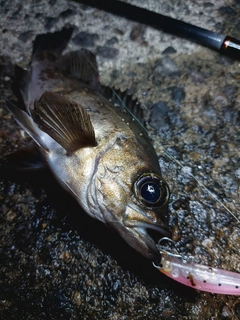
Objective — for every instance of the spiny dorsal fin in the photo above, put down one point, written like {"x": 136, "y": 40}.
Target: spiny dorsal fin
{"x": 67, "y": 122}
{"x": 81, "y": 64}
{"x": 125, "y": 101}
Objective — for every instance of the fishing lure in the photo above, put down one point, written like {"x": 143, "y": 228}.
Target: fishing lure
{"x": 197, "y": 276}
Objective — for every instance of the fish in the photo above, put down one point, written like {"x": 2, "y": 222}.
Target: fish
{"x": 97, "y": 149}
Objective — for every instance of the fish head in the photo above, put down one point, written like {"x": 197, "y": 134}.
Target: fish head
{"x": 136, "y": 209}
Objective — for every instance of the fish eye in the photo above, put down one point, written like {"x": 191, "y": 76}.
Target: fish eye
{"x": 151, "y": 190}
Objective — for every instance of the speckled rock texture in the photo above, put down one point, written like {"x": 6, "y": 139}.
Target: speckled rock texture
{"x": 56, "y": 262}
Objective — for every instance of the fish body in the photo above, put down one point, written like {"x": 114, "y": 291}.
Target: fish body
{"x": 97, "y": 151}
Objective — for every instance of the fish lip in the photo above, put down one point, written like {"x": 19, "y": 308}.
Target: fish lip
{"x": 141, "y": 222}
{"x": 133, "y": 221}
{"x": 161, "y": 230}
{"x": 143, "y": 233}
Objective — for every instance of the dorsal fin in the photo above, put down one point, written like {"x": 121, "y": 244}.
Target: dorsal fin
{"x": 81, "y": 64}
{"x": 67, "y": 122}
{"x": 53, "y": 43}
{"x": 125, "y": 101}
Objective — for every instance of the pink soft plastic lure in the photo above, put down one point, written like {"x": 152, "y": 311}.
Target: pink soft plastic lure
{"x": 198, "y": 276}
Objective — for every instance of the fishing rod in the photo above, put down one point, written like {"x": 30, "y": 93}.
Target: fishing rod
{"x": 224, "y": 44}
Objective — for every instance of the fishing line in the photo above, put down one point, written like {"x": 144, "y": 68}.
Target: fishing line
{"x": 202, "y": 185}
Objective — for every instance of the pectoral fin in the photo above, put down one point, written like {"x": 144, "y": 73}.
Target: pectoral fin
{"x": 67, "y": 122}
{"x": 26, "y": 159}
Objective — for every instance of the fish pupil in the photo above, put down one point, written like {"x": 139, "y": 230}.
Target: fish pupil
{"x": 150, "y": 192}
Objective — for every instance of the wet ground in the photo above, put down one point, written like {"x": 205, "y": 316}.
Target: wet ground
{"x": 56, "y": 262}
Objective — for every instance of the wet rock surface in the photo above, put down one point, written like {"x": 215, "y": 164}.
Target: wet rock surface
{"x": 56, "y": 262}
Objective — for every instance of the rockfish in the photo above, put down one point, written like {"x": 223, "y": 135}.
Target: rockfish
{"x": 99, "y": 152}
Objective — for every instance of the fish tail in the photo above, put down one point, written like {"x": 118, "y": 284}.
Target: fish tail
{"x": 54, "y": 43}
{"x": 30, "y": 84}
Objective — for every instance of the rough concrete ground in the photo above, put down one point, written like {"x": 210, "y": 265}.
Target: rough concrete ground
{"x": 56, "y": 263}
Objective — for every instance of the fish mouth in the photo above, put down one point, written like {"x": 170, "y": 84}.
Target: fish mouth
{"x": 144, "y": 227}
{"x": 146, "y": 239}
